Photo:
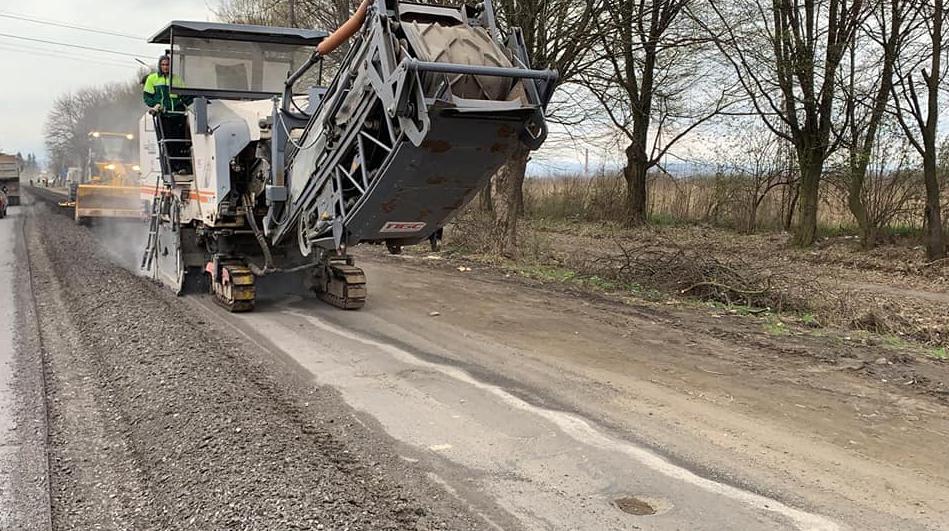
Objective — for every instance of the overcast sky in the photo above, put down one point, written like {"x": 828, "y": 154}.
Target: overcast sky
{"x": 36, "y": 73}
{"x": 39, "y": 72}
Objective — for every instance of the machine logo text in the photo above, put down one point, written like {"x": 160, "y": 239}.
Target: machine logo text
{"x": 403, "y": 226}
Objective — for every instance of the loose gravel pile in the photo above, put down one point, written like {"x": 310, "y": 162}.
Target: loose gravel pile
{"x": 161, "y": 420}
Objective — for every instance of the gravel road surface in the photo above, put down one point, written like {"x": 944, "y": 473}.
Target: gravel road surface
{"x": 159, "y": 421}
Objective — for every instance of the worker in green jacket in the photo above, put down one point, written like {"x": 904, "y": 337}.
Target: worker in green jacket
{"x": 157, "y": 92}
{"x": 171, "y": 125}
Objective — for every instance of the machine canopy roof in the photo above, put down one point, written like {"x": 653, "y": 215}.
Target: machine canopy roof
{"x": 238, "y": 32}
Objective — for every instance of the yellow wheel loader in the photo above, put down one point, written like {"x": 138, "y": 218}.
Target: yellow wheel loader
{"x": 112, "y": 187}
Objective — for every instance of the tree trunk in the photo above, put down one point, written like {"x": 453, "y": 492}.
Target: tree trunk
{"x": 855, "y": 201}
{"x": 635, "y": 175}
{"x": 794, "y": 191}
{"x": 806, "y": 231}
{"x": 521, "y": 211}
{"x": 506, "y": 198}
{"x": 935, "y": 238}
{"x": 752, "y": 221}
{"x": 485, "y": 203}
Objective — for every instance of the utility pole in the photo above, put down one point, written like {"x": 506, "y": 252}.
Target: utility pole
{"x": 291, "y": 4}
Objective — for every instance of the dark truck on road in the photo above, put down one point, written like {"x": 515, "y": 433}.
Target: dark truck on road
{"x": 9, "y": 182}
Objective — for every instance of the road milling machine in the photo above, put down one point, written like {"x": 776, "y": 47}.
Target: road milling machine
{"x": 111, "y": 188}
{"x": 269, "y": 172}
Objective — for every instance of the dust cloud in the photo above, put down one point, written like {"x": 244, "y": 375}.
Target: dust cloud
{"x": 123, "y": 240}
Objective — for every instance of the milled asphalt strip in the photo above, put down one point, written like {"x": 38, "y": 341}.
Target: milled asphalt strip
{"x": 583, "y": 432}
{"x": 38, "y": 331}
{"x": 25, "y": 486}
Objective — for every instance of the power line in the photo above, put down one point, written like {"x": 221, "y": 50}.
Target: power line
{"x": 71, "y": 45}
{"x": 70, "y": 26}
{"x": 66, "y": 58}
{"x": 58, "y": 54}
{"x": 95, "y": 56}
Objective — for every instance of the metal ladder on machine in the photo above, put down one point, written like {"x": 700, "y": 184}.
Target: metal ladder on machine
{"x": 168, "y": 175}
{"x": 164, "y": 143}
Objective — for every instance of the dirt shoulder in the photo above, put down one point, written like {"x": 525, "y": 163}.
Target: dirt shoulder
{"x": 881, "y": 313}
{"x": 890, "y": 291}
{"x": 810, "y": 419}
{"x": 161, "y": 421}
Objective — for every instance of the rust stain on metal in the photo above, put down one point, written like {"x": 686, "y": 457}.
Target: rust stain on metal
{"x": 389, "y": 206}
{"x": 505, "y": 132}
{"x": 437, "y": 179}
{"x": 498, "y": 147}
{"x": 436, "y": 146}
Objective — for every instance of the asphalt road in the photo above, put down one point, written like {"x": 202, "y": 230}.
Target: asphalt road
{"x": 518, "y": 461}
{"x": 543, "y": 410}
{"x": 24, "y": 486}
{"x": 8, "y": 443}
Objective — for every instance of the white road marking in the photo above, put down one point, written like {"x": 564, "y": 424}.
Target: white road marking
{"x": 582, "y": 431}
{"x": 440, "y": 447}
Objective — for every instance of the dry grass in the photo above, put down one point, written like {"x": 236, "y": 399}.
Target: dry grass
{"x": 662, "y": 264}
{"x": 720, "y": 200}
{"x": 890, "y": 291}
{"x": 574, "y": 231}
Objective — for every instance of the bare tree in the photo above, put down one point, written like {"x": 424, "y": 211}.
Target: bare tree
{"x": 787, "y": 54}
{"x": 920, "y": 73}
{"x": 115, "y": 107}
{"x": 867, "y": 91}
{"x": 652, "y": 62}
{"x": 61, "y": 122}
{"x": 558, "y": 34}
{"x": 892, "y": 183}
{"x": 320, "y": 14}
{"x": 759, "y": 161}
{"x": 259, "y": 12}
